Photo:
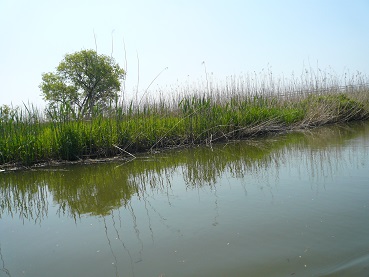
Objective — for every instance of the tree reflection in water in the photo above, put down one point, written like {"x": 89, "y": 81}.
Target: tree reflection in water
{"x": 98, "y": 189}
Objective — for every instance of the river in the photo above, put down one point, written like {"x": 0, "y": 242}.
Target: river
{"x": 295, "y": 204}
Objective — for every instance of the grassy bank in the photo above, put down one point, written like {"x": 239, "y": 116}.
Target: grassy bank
{"x": 237, "y": 109}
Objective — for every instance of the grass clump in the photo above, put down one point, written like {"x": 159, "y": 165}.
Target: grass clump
{"x": 332, "y": 108}
{"x": 237, "y": 109}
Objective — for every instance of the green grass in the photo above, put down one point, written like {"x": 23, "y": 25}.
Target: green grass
{"x": 237, "y": 109}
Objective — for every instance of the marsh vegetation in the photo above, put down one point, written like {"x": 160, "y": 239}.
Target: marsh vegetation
{"x": 201, "y": 113}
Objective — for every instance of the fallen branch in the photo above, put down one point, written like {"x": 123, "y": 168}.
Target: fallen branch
{"x": 122, "y": 150}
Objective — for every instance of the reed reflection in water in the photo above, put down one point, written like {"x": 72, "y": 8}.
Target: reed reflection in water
{"x": 225, "y": 209}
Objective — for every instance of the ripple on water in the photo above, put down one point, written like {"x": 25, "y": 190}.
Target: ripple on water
{"x": 353, "y": 266}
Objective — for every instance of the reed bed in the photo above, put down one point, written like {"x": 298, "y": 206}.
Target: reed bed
{"x": 200, "y": 113}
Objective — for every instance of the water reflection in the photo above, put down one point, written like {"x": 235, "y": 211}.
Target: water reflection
{"x": 3, "y": 268}
{"x": 131, "y": 210}
{"x": 99, "y": 189}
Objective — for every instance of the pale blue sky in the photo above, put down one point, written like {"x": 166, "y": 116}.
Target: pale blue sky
{"x": 232, "y": 37}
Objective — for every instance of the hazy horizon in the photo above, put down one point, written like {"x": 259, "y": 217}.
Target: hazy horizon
{"x": 146, "y": 37}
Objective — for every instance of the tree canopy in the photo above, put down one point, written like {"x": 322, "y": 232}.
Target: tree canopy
{"x": 83, "y": 80}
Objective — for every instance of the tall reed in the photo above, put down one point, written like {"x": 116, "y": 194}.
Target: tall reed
{"x": 201, "y": 113}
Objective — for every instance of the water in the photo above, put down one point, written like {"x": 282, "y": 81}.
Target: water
{"x": 289, "y": 205}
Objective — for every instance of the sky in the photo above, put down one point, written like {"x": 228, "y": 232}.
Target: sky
{"x": 173, "y": 39}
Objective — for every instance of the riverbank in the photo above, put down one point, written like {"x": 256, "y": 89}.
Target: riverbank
{"x": 294, "y": 199}
{"x": 29, "y": 137}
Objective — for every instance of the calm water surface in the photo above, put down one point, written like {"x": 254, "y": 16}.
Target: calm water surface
{"x": 289, "y": 205}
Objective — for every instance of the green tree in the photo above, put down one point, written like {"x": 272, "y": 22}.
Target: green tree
{"x": 4, "y": 113}
{"x": 82, "y": 81}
